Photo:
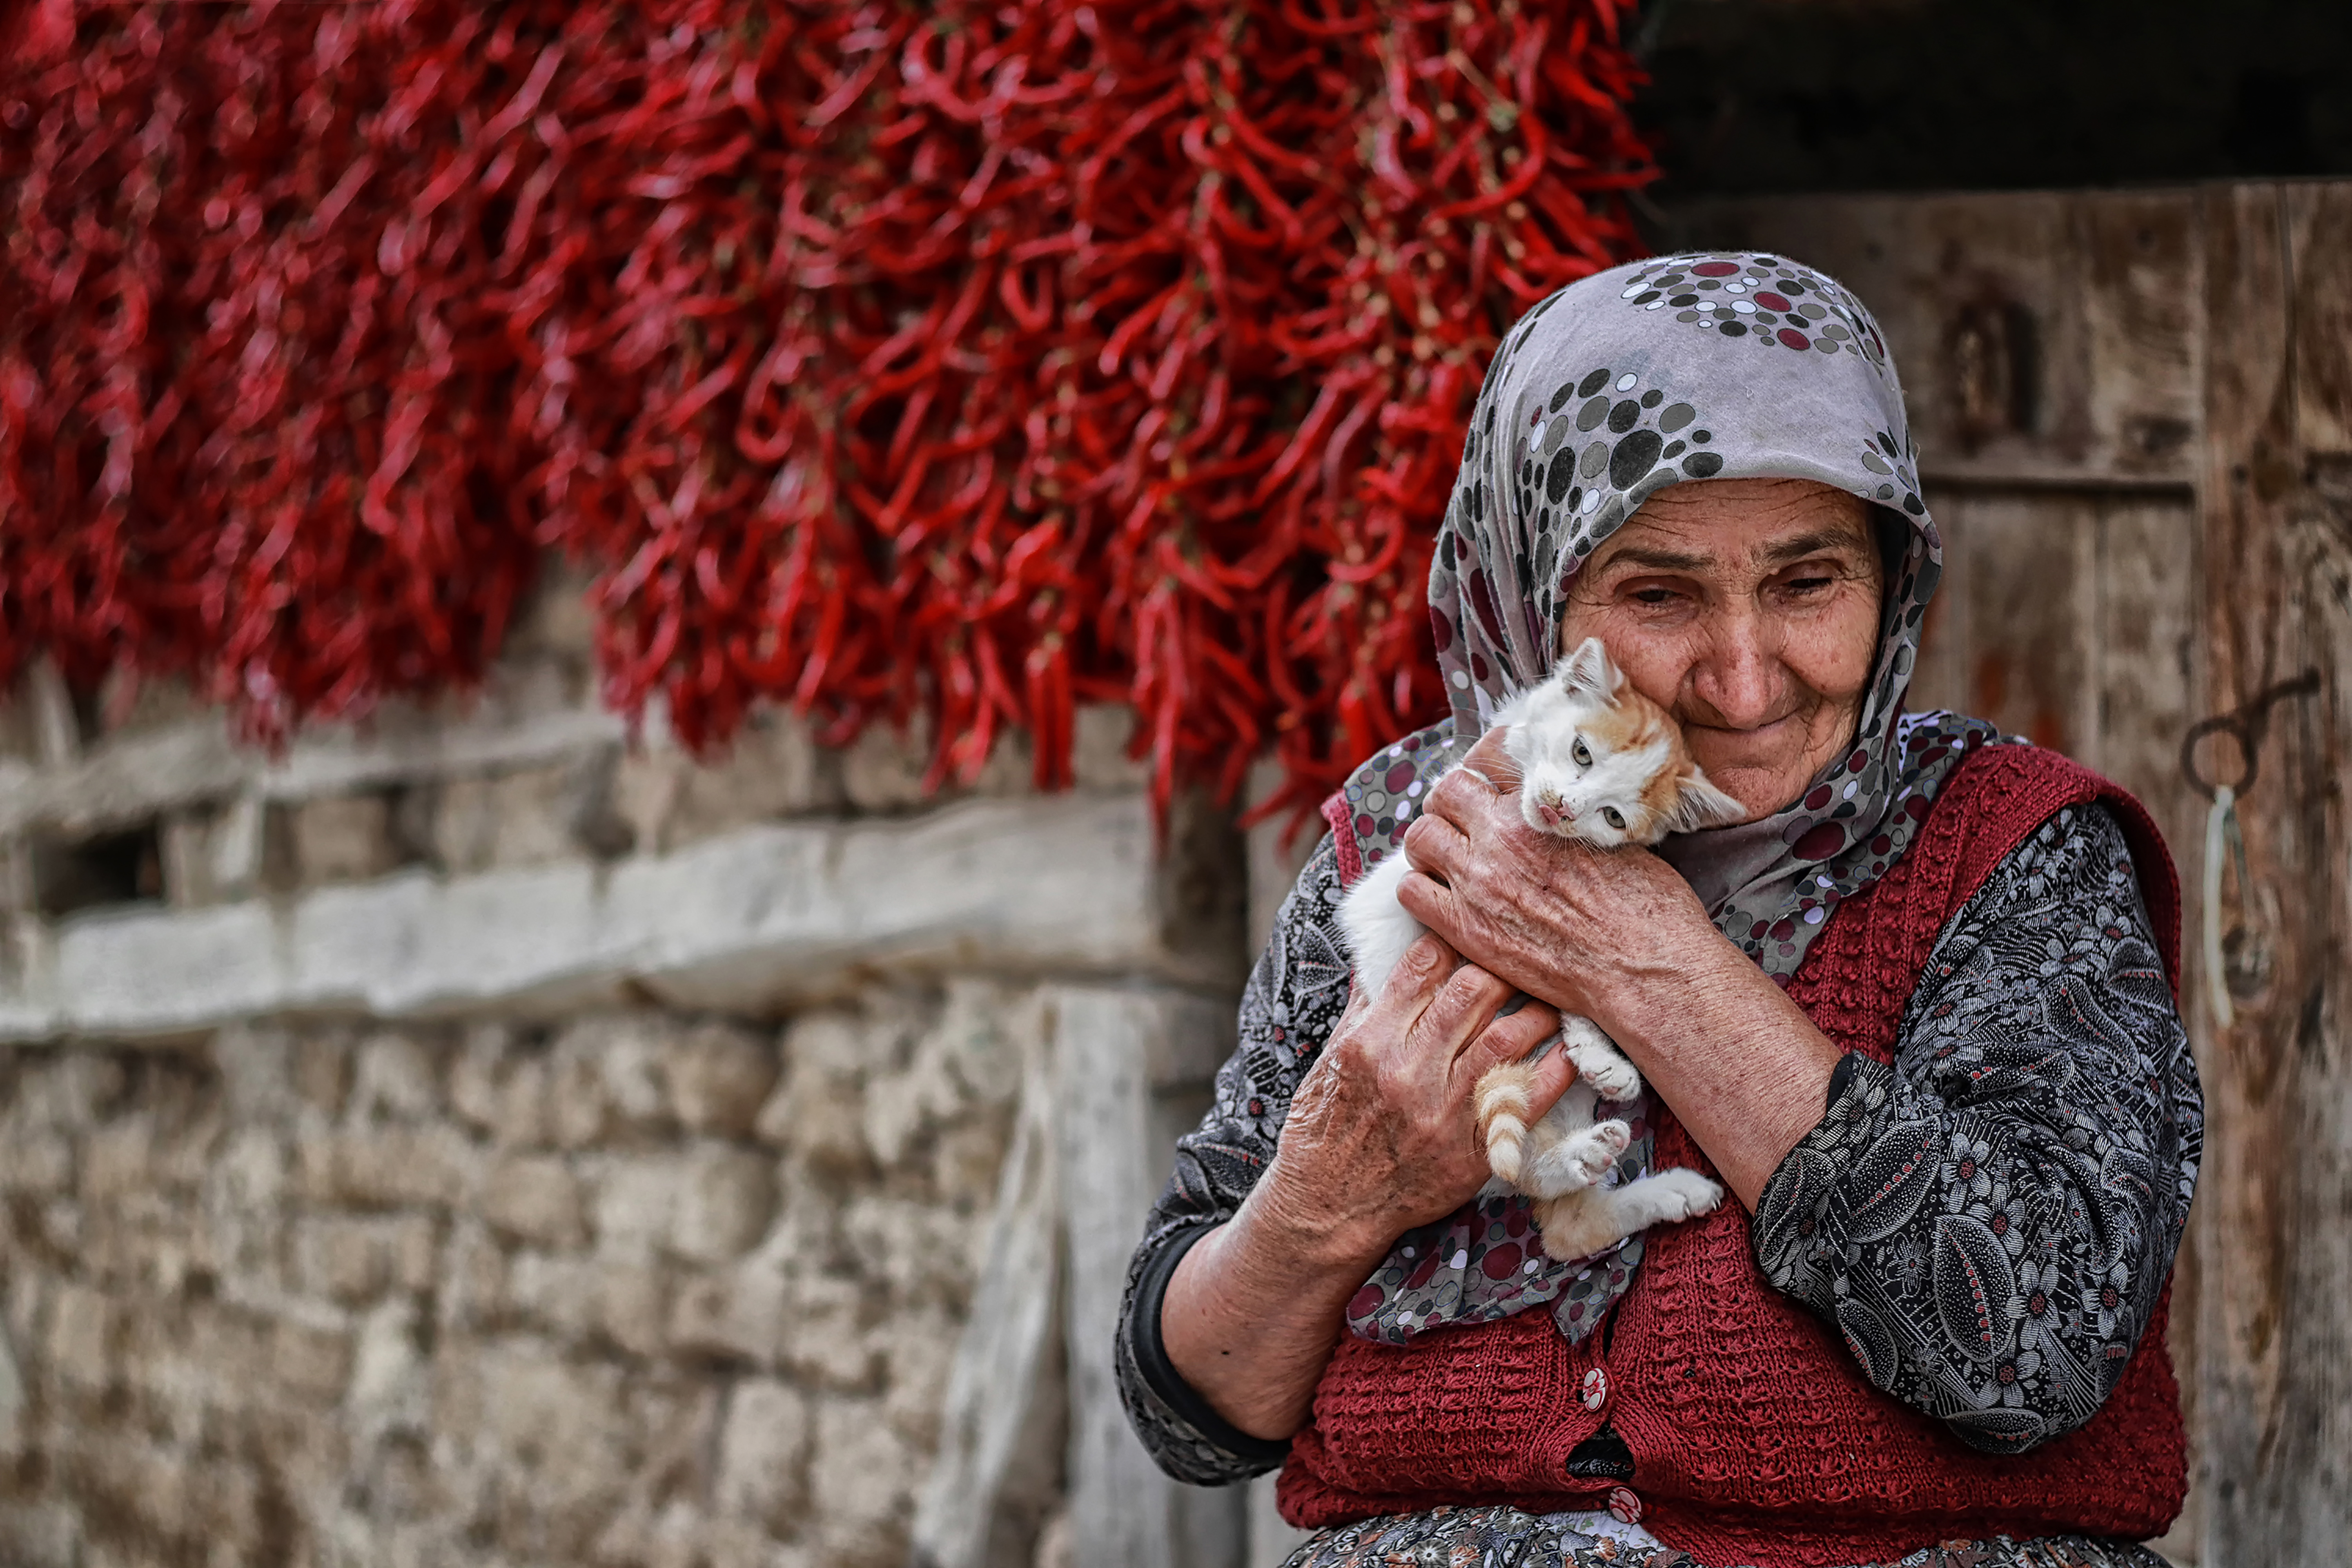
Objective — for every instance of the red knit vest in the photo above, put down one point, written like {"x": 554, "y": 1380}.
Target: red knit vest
{"x": 1755, "y": 1438}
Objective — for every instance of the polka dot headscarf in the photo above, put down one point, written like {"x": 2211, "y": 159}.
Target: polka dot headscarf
{"x": 1719, "y": 364}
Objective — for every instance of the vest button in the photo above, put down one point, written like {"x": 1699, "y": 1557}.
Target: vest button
{"x": 1596, "y": 1389}
{"x": 1623, "y": 1506}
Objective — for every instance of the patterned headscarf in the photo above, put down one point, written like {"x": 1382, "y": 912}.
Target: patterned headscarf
{"x": 1727, "y": 364}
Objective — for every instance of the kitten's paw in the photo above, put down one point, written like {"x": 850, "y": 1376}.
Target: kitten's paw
{"x": 1598, "y": 1060}
{"x": 1574, "y": 1163}
{"x": 1612, "y": 1076}
{"x": 1683, "y": 1195}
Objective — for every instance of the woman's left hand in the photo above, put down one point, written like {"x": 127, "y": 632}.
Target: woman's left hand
{"x": 1620, "y": 938}
{"x": 1580, "y": 928}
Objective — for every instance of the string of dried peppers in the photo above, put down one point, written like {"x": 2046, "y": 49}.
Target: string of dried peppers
{"x": 971, "y": 359}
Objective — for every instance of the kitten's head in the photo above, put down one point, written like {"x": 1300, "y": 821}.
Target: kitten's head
{"x": 1601, "y": 762}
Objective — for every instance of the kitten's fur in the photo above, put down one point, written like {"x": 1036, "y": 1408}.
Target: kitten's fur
{"x": 1602, "y": 763}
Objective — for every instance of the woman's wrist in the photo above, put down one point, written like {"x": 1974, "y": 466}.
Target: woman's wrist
{"x": 1293, "y": 1229}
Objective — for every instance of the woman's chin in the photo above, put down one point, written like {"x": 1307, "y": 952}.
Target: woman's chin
{"x": 1763, "y": 788}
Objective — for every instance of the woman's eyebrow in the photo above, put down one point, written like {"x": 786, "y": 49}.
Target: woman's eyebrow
{"x": 1660, "y": 560}
{"x": 1821, "y": 541}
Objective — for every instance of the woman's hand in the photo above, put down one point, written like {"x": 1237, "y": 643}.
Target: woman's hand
{"x": 1579, "y": 927}
{"x": 1381, "y": 1136}
{"x": 1618, "y": 936}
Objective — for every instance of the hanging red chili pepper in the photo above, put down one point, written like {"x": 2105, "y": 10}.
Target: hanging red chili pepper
{"x": 974, "y": 360}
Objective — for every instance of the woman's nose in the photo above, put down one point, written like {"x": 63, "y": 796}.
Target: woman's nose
{"x": 1739, "y": 675}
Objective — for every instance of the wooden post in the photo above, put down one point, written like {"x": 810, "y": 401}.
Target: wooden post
{"x": 1132, "y": 1065}
{"x": 2275, "y": 1205}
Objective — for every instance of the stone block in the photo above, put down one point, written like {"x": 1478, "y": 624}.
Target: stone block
{"x": 819, "y": 1333}
{"x": 311, "y": 1360}
{"x": 564, "y": 1439}
{"x": 397, "y": 1079}
{"x": 725, "y": 1199}
{"x": 635, "y": 1206}
{"x": 1099, "y": 743}
{"x": 184, "y": 847}
{"x": 818, "y": 1113}
{"x": 772, "y": 769}
{"x": 322, "y": 1071}
{"x": 534, "y": 1198}
{"x": 478, "y": 1074}
{"x": 762, "y": 1447}
{"x": 256, "y": 1063}
{"x": 81, "y": 1348}
{"x": 343, "y": 838}
{"x": 38, "y": 1162}
{"x": 882, "y": 770}
{"x": 525, "y": 1115}
{"x": 472, "y": 1279}
{"x": 917, "y": 1350}
{"x": 918, "y": 1254}
{"x": 238, "y": 843}
{"x": 865, "y": 1474}
{"x": 351, "y": 1260}
{"x": 556, "y": 1293}
{"x": 607, "y": 1078}
{"x": 389, "y": 1389}
{"x": 517, "y": 818}
{"x": 720, "y": 1075}
{"x": 429, "y": 1164}
{"x": 40, "y": 1535}
{"x": 631, "y": 1302}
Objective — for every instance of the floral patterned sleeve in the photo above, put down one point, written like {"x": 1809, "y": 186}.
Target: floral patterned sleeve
{"x": 1991, "y": 1220}
{"x": 1291, "y": 1005}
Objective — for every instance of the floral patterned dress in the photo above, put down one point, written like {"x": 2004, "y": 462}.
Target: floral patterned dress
{"x": 2042, "y": 1050}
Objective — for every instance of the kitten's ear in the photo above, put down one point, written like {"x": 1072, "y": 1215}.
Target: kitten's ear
{"x": 1702, "y": 806}
{"x": 1591, "y": 672}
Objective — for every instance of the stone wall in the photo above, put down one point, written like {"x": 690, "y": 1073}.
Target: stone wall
{"x": 636, "y": 1289}
{"x": 489, "y": 1135}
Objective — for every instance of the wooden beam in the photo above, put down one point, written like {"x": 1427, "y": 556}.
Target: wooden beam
{"x": 1126, "y": 1059}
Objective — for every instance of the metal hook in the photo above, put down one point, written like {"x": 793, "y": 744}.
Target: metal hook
{"x": 2244, "y": 724}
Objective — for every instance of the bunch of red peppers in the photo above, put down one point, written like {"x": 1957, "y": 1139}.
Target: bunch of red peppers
{"x": 884, "y": 358}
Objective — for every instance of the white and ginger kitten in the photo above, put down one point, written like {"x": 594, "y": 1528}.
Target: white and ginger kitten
{"x": 1602, "y": 764}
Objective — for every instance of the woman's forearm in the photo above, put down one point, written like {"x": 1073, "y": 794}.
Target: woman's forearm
{"x": 1740, "y": 1065}
{"x": 1255, "y": 1307}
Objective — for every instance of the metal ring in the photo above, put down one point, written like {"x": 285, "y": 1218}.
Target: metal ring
{"x": 2228, "y": 724}
{"x": 2244, "y": 724}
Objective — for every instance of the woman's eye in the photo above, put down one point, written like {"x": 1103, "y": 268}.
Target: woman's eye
{"x": 1584, "y": 755}
{"x": 1655, "y": 596}
{"x": 1614, "y": 818}
{"x": 1808, "y": 585}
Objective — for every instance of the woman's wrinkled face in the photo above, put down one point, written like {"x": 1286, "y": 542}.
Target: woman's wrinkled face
{"x": 1749, "y": 609}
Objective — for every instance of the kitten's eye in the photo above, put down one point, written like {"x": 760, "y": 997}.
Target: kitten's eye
{"x": 1614, "y": 818}
{"x": 1584, "y": 755}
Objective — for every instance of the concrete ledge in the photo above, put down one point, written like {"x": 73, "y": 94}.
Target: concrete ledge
{"x": 747, "y": 921}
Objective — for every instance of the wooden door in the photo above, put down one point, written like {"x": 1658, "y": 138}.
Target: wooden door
{"x": 2135, "y": 417}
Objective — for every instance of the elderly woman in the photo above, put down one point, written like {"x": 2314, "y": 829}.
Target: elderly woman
{"x": 1917, "y": 1013}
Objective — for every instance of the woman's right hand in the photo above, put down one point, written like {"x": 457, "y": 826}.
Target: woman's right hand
{"x": 1381, "y": 1136}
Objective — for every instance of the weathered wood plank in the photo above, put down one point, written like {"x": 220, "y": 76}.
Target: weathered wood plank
{"x": 2275, "y": 1329}
{"x": 2025, "y": 593}
{"x": 2319, "y": 227}
{"x": 2042, "y": 338}
{"x": 1119, "y": 1052}
{"x": 2144, "y": 646}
